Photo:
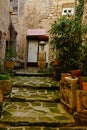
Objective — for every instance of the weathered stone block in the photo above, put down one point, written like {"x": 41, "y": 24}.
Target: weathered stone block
{"x": 81, "y": 105}
{"x": 67, "y": 95}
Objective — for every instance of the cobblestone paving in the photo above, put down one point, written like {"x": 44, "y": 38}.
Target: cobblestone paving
{"x": 39, "y": 113}
{"x": 34, "y": 106}
{"x": 40, "y": 82}
{"x": 26, "y": 94}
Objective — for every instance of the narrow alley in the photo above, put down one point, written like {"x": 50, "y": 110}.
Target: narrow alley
{"x": 43, "y": 64}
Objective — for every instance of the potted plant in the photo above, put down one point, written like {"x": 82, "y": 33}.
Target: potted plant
{"x": 65, "y": 38}
{"x": 83, "y": 59}
{"x": 67, "y": 33}
{"x": 55, "y": 71}
{"x": 9, "y": 59}
{"x": 5, "y": 84}
{"x": 84, "y": 83}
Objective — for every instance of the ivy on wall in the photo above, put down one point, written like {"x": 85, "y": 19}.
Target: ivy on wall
{"x": 80, "y": 7}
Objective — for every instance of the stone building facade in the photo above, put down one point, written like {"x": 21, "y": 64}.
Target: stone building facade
{"x": 38, "y": 14}
{"x": 4, "y": 24}
{"x": 85, "y": 12}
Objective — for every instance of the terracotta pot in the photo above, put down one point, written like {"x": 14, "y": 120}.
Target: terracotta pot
{"x": 56, "y": 62}
{"x": 9, "y": 64}
{"x": 84, "y": 86}
{"x": 71, "y": 80}
{"x": 5, "y": 86}
{"x": 63, "y": 75}
{"x": 76, "y": 73}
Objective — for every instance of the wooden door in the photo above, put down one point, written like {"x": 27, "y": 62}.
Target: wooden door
{"x": 33, "y": 51}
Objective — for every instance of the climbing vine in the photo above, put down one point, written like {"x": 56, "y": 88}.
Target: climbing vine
{"x": 80, "y": 7}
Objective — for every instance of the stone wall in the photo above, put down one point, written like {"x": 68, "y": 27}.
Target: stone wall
{"x": 4, "y": 23}
{"x": 85, "y": 12}
{"x": 33, "y": 14}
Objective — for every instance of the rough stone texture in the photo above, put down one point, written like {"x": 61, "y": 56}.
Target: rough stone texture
{"x": 26, "y": 94}
{"x": 34, "y": 106}
{"x": 1, "y": 97}
{"x": 81, "y": 105}
{"x": 34, "y": 14}
{"x": 4, "y": 23}
{"x": 67, "y": 95}
{"x": 4, "y": 15}
{"x": 5, "y": 86}
{"x": 85, "y": 12}
{"x": 43, "y": 128}
{"x": 39, "y": 113}
{"x": 35, "y": 82}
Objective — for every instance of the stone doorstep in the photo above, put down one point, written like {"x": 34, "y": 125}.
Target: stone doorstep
{"x": 35, "y": 113}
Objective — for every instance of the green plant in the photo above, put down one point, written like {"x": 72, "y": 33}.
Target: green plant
{"x": 83, "y": 59}
{"x": 84, "y": 79}
{"x": 42, "y": 70}
{"x": 66, "y": 39}
{"x": 4, "y": 77}
{"x": 67, "y": 34}
{"x": 10, "y": 54}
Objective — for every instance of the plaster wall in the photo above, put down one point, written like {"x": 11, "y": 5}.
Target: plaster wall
{"x": 4, "y": 23}
{"x": 4, "y": 15}
{"x": 34, "y": 14}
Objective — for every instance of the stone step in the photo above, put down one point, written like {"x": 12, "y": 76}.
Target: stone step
{"x": 32, "y": 74}
{"x": 26, "y": 94}
{"x": 35, "y": 114}
{"x": 35, "y": 82}
{"x": 42, "y": 128}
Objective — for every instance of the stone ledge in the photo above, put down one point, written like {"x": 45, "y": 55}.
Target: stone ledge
{"x": 42, "y": 128}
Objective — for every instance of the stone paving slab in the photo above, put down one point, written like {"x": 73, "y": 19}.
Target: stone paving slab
{"x": 35, "y": 113}
{"x": 35, "y": 82}
{"x": 42, "y": 128}
{"x": 25, "y": 94}
{"x": 32, "y": 74}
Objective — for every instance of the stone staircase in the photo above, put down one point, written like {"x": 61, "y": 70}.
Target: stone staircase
{"x": 34, "y": 105}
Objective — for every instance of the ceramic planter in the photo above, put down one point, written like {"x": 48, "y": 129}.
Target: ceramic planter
{"x": 56, "y": 62}
{"x": 84, "y": 85}
{"x": 63, "y": 75}
{"x": 9, "y": 64}
{"x": 5, "y": 86}
{"x": 76, "y": 73}
{"x": 71, "y": 80}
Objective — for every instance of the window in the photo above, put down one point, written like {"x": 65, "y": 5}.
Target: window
{"x": 69, "y": 11}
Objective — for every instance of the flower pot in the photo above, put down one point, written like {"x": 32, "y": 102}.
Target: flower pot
{"x": 9, "y": 64}
{"x": 76, "y": 73}
{"x": 71, "y": 80}
{"x": 5, "y": 86}
{"x": 56, "y": 62}
{"x": 63, "y": 75}
{"x": 84, "y": 86}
